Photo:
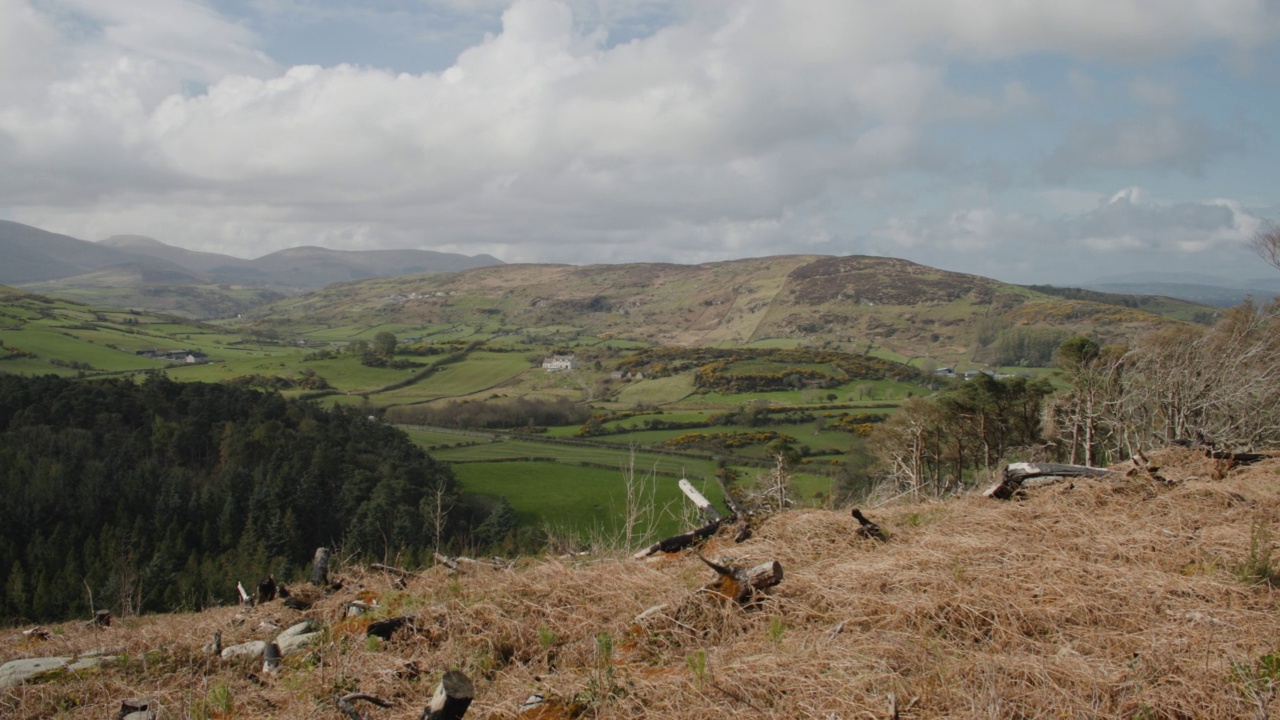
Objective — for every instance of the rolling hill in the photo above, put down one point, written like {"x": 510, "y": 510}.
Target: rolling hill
{"x": 866, "y": 304}
{"x": 144, "y": 273}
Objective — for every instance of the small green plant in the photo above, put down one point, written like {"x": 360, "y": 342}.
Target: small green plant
{"x": 1257, "y": 567}
{"x": 776, "y": 629}
{"x": 603, "y": 686}
{"x": 1257, "y": 681}
{"x": 546, "y": 637}
{"x": 218, "y": 705}
{"x": 697, "y": 663}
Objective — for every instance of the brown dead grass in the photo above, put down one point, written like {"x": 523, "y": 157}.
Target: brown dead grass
{"x": 1111, "y": 598}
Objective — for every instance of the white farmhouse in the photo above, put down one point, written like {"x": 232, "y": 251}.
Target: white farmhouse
{"x": 557, "y": 363}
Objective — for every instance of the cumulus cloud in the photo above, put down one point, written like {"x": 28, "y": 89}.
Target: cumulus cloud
{"x": 574, "y": 131}
{"x": 1125, "y": 229}
{"x": 1160, "y": 141}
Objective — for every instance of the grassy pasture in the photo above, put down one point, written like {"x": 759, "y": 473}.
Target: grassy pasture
{"x": 480, "y": 371}
{"x": 575, "y": 499}
{"x": 657, "y": 391}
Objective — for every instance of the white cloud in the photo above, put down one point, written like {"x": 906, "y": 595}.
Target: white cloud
{"x": 579, "y": 131}
{"x": 1124, "y": 229}
{"x": 1154, "y": 94}
{"x": 1160, "y": 141}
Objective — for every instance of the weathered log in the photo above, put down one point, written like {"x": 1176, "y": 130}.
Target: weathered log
{"x": 866, "y": 528}
{"x": 676, "y": 543}
{"x": 1015, "y": 474}
{"x": 386, "y": 628}
{"x": 398, "y": 572}
{"x": 1238, "y": 458}
{"x": 765, "y": 575}
{"x": 698, "y": 499}
{"x": 452, "y": 698}
{"x": 345, "y": 704}
{"x": 740, "y": 584}
{"x": 320, "y": 567}
{"x": 455, "y": 564}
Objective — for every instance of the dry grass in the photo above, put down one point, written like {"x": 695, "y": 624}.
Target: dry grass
{"x": 1113, "y": 598}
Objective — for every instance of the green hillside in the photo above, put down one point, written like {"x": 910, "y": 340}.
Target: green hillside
{"x": 866, "y": 305}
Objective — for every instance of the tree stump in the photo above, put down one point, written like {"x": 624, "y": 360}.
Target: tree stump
{"x": 452, "y": 698}
{"x": 320, "y": 567}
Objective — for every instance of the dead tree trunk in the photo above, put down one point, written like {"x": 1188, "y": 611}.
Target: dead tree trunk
{"x": 452, "y": 698}
{"x": 320, "y": 567}
{"x": 1015, "y": 474}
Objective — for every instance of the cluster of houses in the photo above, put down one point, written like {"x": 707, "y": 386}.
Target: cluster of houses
{"x": 183, "y": 356}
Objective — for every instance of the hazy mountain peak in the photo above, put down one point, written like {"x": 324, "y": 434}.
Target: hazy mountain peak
{"x": 132, "y": 242}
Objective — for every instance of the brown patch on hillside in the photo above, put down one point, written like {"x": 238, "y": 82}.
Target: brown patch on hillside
{"x": 882, "y": 281}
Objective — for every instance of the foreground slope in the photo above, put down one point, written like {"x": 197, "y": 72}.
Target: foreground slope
{"x": 1111, "y": 598}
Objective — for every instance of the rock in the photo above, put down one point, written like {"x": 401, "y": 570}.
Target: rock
{"x": 293, "y": 643}
{"x": 253, "y": 648}
{"x": 15, "y": 672}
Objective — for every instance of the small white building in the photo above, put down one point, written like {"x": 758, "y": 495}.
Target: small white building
{"x": 558, "y": 363}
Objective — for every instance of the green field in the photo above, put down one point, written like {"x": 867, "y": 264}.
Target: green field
{"x": 578, "y": 500}
{"x": 574, "y": 485}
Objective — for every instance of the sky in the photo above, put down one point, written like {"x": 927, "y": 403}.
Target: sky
{"x": 1026, "y": 140}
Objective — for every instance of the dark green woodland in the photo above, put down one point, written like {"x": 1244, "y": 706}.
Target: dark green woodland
{"x": 161, "y": 495}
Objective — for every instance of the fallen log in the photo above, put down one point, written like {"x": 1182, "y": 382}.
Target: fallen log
{"x": 398, "y": 572}
{"x": 455, "y": 564}
{"x": 452, "y": 698}
{"x": 1014, "y": 475}
{"x": 676, "y": 543}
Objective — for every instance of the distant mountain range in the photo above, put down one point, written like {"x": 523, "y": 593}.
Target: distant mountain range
{"x": 1195, "y": 287}
{"x": 34, "y": 255}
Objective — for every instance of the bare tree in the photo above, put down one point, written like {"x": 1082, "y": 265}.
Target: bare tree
{"x": 1222, "y": 384}
{"x": 1267, "y": 244}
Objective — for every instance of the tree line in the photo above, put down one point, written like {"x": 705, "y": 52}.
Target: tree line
{"x": 1213, "y": 385}
{"x": 161, "y": 495}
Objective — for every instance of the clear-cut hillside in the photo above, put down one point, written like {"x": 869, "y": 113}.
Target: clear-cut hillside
{"x": 1115, "y": 598}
